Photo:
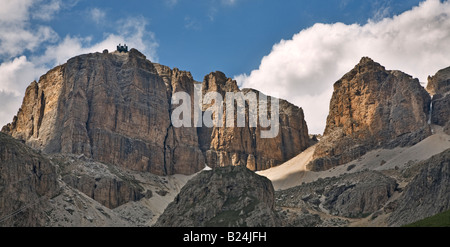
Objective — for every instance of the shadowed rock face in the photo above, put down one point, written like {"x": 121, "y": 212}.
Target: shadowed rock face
{"x": 439, "y": 87}
{"x": 110, "y": 192}
{"x": 27, "y": 181}
{"x": 230, "y": 197}
{"x": 116, "y": 108}
{"x": 427, "y": 194}
{"x": 351, "y": 195}
{"x": 372, "y": 107}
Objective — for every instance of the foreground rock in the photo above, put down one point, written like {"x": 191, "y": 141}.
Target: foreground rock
{"x": 354, "y": 195}
{"x": 372, "y": 108}
{"x": 427, "y": 194}
{"x": 230, "y": 197}
{"x": 27, "y": 181}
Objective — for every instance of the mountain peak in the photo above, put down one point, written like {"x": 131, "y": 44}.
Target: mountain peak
{"x": 365, "y": 60}
{"x": 372, "y": 107}
{"x": 370, "y": 64}
{"x": 116, "y": 108}
{"x": 440, "y": 82}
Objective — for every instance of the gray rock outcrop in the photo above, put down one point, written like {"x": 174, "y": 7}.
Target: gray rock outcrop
{"x": 355, "y": 195}
{"x": 229, "y": 197}
{"x": 27, "y": 181}
{"x": 427, "y": 194}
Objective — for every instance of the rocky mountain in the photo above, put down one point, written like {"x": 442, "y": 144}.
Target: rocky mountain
{"x": 439, "y": 87}
{"x": 95, "y": 145}
{"x": 38, "y": 189}
{"x": 427, "y": 194}
{"x": 245, "y": 146}
{"x": 440, "y": 82}
{"x": 116, "y": 108}
{"x": 353, "y": 195}
{"x": 234, "y": 196}
{"x": 372, "y": 107}
{"x": 27, "y": 181}
{"x": 229, "y": 197}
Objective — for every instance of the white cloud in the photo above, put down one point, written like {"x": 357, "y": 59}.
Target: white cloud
{"x": 229, "y": 2}
{"x": 304, "y": 68}
{"x": 9, "y": 102}
{"x": 382, "y": 9}
{"x": 171, "y": 3}
{"x": 97, "y": 15}
{"x": 17, "y": 32}
{"x": 46, "y": 9}
{"x": 192, "y": 23}
{"x": 14, "y": 11}
{"x": 133, "y": 33}
{"x": 16, "y": 75}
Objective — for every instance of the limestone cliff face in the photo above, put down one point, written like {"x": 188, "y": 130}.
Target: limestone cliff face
{"x": 439, "y": 87}
{"x": 116, "y": 108}
{"x": 245, "y": 146}
{"x": 36, "y": 120}
{"x": 111, "y": 107}
{"x": 182, "y": 152}
{"x": 440, "y": 82}
{"x": 372, "y": 107}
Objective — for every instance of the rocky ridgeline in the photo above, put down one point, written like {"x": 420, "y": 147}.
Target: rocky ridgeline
{"x": 103, "y": 122}
{"x": 439, "y": 87}
{"x": 27, "y": 181}
{"x": 116, "y": 108}
{"x": 37, "y": 189}
{"x": 355, "y": 195}
{"x": 427, "y": 194}
{"x": 372, "y": 107}
{"x": 228, "y": 197}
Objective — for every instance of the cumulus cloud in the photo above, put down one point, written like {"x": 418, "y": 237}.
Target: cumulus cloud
{"x": 9, "y": 101}
{"x": 132, "y": 31}
{"x": 97, "y": 15}
{"x": 14, "y": 11}
{"x": 17, "y": 34}
{"x": 16, "y": 75}
{"x": 304, "y": 68}
{"x": 46, "y": 9}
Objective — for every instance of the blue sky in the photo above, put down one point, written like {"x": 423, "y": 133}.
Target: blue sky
{"x": 294, "y": 49}
{"x": 207, "y": 35}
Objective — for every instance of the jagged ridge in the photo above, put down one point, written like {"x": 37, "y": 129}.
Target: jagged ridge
{"x": 116, "y": 108}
